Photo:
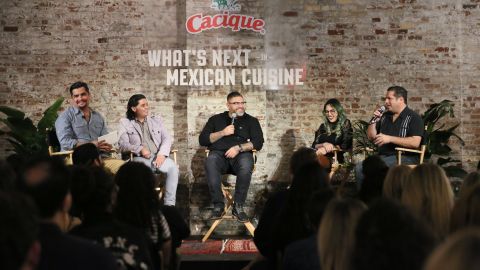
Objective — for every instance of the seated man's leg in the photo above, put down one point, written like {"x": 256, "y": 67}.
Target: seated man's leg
{"x": 146, "y": 161}
{"x": 170, "y": 168}
{"x": 113, "y": 165}
{"x": 215, "y": 165}
{"x": 390, "y": 161}
{"x": 359, "y": 174}
{"x": 242, "y": 165}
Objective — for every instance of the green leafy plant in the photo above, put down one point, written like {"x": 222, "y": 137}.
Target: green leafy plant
{"x": 26, "y": 138}
{"x": 438, "y": 137}
{"x": 361, "y": 139}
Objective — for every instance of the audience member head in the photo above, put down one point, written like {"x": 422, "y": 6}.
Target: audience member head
{"x": 317, "y": 206}
{"x": 86, "y": 154}
{"x": 296, "y": 225}
{"x": 48, "y": 182}
{"x": 93, "y": 192}
{"x": 8, "y": 179}
{"x": 19, "y": 247}
{"x": 470, "y": 181}
{"x": 396, "y": 176}
{"x": 307, "y": 179}
{"x": 337, "y": 233}
{"x": 374, "y": 170}
{"x": 302, "y": 156}
{"x": 133, "y": 103}
{"x": 461, "y": 251}
{"x": 427, "y": 192}
{"x": 136, "y": 198}
{"x": 17, "y": 162}
{"x": 388, "y": 236}
{"x": 466, "y": 212}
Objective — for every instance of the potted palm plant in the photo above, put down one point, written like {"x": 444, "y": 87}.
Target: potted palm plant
{"x": 22, "y": 134}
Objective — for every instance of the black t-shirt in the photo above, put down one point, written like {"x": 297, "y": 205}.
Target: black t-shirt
{"x": 247, "y": 128}
{"x": 408, "y": 124}
{"x": 130, "y": 246}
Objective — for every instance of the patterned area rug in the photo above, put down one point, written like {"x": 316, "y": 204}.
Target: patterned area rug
{"x": 227, "y": 246}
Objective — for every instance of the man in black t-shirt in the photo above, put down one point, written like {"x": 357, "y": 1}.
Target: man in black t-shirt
{"x": 399, "y": 126}
{"x": 231, "y": 136}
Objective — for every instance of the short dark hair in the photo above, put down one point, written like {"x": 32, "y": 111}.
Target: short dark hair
{"x": 302, "y": 156}
{"x": 77, "y": 85}
{"x": 85, "y": 154}
{"x": 233, "y": 94}
{"x": 49, "y": 193}
{"x": 399, "y": 92}
{"x": 132, "y": 102}
{"x": 18, "y": 229}
{"x": 91, "y": 191}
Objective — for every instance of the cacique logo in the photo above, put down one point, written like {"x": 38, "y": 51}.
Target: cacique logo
{"x": 198, "y": 23}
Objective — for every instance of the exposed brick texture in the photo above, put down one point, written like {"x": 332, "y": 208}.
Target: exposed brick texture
{"x": 352, "y": 50}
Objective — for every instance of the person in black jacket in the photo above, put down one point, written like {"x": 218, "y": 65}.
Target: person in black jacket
{"x": 335, "y": 131}
{"x": 231, "y": 136}
{"x": 47, "y": 181}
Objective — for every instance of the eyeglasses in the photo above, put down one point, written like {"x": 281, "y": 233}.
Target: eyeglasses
{"x": 330, "y": 111}
{"x": 238, "y": 103}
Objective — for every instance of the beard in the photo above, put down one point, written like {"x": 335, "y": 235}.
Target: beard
{"x": 240, "y": 113}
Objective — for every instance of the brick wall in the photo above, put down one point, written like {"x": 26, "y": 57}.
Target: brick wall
{"x": 352, "y": 50}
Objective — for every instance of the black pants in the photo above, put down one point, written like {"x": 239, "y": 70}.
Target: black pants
{"x": 217, "y": 164}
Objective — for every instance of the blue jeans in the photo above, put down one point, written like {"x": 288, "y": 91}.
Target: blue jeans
{"x": 170, "y": 168}
{"x": 241, "y": 166}
{"x": 390, "y": 161}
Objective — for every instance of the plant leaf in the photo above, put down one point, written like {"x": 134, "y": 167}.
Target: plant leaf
{"x": 49, "y": 116}
{"x": 11, "y": 112}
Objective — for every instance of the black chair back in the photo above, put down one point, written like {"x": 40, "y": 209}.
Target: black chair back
{"x": 52, "y": 140}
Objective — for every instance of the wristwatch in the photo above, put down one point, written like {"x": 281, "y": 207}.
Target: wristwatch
{"x": 241, "y": 149}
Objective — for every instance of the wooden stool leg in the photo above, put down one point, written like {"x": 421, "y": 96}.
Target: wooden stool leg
{"x": 212, "y": 228}
{"x": 250, "y": 227}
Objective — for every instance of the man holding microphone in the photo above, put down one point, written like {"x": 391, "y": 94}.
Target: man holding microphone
{"x": 394, "y": 125}
{"x": 231, "y": 136}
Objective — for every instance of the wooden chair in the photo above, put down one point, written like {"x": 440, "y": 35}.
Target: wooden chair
{"x": 227, "y": 193}
{"x": 421, "y": 150}
{"x": 54, "y": 147}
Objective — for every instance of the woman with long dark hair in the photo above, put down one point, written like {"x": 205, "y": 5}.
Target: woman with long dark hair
{"x": 335, "y": 131}
{"x": 147, "y": 138}
{"x": 138, "y": 206}
{"x": 293, "y": 223}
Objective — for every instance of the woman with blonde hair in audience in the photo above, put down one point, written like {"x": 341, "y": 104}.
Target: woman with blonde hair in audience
{"x": 337, "y": 233}
{"x": 459, "y": 252}
{"x": 466, "y": 212}
{"x": 428, "y": 194}
{"x": 393, "y": 184}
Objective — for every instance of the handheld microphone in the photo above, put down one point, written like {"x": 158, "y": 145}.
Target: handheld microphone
{"x": 234, "y": 115}
{"x": 376, "y": 118}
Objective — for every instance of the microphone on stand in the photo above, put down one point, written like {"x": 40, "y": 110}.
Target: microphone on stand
{"x": 234, "y": 115}
{"x": 376, "y": 118}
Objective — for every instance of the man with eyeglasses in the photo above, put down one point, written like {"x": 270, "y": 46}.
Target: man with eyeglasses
{"x": 231, "y": 136}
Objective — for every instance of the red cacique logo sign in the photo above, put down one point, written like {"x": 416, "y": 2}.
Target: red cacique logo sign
{"x": 198, "y": 23}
